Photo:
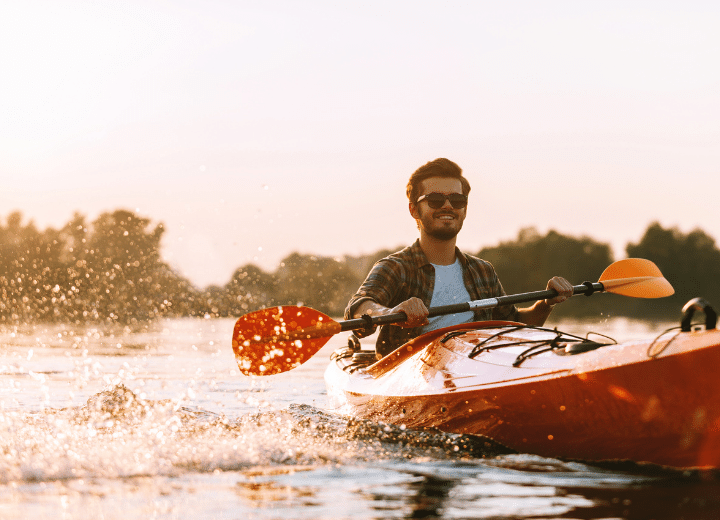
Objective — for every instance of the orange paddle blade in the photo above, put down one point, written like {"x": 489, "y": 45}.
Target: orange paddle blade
{"x": 636, "y": 277}
{"x": 278, "y": 339}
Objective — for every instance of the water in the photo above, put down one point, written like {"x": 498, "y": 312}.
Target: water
{"x": 113, "y": 423}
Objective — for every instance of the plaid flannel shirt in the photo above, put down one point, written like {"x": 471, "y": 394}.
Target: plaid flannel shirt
{"x": 408, "y": 273}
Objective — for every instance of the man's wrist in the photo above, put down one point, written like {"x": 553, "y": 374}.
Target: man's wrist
{"x": 547, "y": 305}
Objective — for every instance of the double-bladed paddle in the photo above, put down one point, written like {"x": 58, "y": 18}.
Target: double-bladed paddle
{"x": 278, "y": 339}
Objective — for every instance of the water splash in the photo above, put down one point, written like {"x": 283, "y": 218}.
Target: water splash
{"x": 118, "y": 434}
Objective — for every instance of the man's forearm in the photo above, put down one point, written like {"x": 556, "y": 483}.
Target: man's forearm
{"x": 371, "y": 308}
{"x": 535, "y": 315}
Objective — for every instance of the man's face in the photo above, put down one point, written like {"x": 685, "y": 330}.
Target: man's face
{"x": 445, "y": 222}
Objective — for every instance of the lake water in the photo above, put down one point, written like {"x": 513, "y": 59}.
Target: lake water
{"x": 115, "y": 424}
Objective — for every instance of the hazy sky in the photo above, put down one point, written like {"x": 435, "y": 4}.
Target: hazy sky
{"x": 252, "y": 129}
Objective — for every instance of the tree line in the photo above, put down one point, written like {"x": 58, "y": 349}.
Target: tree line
{"x": 111, "y": 270}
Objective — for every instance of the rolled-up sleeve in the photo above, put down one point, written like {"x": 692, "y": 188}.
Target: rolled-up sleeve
{"x": 380, "y": 286}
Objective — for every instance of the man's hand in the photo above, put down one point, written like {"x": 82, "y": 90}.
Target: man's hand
{"x": 415, "y": 310}
{"x": 562, "y": 286}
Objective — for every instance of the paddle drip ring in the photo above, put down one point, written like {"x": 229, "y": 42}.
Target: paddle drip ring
{"x": 590, "y": 288}
{"x": 369, "y": 325}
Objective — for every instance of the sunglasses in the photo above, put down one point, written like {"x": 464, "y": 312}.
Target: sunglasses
{"x": 437, "y": 200}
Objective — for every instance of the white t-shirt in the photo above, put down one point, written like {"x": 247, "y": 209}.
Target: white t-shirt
{"x": 449, "y": 289}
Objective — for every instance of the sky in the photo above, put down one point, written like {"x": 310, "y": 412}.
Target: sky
{"x": 254, "y": 129}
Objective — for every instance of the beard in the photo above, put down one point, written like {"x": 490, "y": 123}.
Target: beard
{"x": 437, "y": 230}
{"x": 443, "y": 233}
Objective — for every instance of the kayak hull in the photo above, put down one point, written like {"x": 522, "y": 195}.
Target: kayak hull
{"x": 655, "y": 402}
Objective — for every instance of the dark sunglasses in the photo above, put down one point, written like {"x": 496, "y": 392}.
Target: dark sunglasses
{"x": 437, "y": 200}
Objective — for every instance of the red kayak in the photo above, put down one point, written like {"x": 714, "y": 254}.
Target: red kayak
{"x": 546, "y": 392}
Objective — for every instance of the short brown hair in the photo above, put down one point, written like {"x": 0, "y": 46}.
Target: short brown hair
{"x": 437, "y": 168}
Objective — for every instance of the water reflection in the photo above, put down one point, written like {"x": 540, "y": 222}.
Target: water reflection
{"x": 674, "y": 498}
{"x": 428, "y": 496}
{"x": 260, "y": 489}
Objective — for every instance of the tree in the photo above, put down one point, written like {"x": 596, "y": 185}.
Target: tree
{"x": 249, "y": 289}
{"x": 690, "y": 262}
{"x": 320, "y": 282}
{"x": 527, "y": 263}
{"x": 111, "y": 271}
{"x": 107, "y": 271}
{"x": 29, "y": 260}
{"x": 121, "y": 261}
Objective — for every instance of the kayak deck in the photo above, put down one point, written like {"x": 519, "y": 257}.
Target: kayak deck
{"x": 553, "y": 394}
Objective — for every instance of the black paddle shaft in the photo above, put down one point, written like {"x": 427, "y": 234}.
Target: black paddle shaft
{"x": 367, "y": 321}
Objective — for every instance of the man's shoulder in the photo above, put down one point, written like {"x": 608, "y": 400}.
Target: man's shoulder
{"x": 478, "y": 263}
{"x": 410, "y": 254}
{"x": 408, "y": 260}
{"x": 404, "y": 253}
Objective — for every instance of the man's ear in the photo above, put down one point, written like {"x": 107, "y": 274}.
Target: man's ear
{"x": 413, "y": 210}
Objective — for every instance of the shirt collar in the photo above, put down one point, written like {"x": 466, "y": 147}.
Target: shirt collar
{"x": 420, "y": 260}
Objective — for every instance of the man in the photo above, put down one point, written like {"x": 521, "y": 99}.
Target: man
{"x": 433, "y": 271}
